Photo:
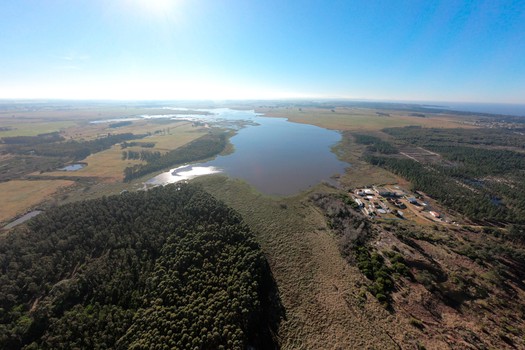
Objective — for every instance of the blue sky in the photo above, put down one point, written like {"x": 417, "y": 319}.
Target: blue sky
{"x": 191, "y": 49}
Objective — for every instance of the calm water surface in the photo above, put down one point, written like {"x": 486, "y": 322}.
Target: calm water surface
{"x": 73, "y": 167}
{"x": 273, "y": 155}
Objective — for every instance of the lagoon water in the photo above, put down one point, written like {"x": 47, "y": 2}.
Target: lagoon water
{"x": 273, "y": 155}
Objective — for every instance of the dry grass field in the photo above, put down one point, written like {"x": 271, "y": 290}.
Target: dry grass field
{"x": 20, "y": 195}
{"x": 107, "y": 166}
{"x": 180, "y": 134}
{"x": 360, "y": 119}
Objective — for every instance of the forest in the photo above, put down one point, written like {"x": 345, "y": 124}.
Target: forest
{"x": 204, "y": 147}
{"x": 375, "y": 144}
{"x": 458, "y": 136}
{"x": 480, "y": 172}
{"x": 168, "y": 268}
{"x": 474, "y": 204}
{"x": 53, "y": 145}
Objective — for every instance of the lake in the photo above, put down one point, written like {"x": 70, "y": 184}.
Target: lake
{"x": 274, "y": 155}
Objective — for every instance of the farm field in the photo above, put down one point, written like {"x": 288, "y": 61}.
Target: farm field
{"x": 20, "y": 195}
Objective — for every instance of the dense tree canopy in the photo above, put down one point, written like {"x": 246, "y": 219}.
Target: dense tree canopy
{"x": 54, "y": 146}
{"x": 162, "y": 269}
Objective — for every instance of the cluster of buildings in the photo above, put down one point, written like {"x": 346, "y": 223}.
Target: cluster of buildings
{"x": 375, "y": 201}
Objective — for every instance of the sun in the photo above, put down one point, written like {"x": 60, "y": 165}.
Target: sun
{"x": 158, "y": 7}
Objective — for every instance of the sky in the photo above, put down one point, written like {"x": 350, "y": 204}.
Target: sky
{"x": 263, "y": 49}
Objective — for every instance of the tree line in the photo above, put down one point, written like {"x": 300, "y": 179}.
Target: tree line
{"x": 478, "y": 178}
{"x": 147, "y": 156}
{"x": 204, "y": 147}
{"x": 72, "y": 149}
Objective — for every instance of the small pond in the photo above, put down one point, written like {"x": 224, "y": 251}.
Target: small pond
{"x": 73, "y": 167}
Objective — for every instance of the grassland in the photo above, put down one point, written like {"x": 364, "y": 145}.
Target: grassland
{"x": 319, "y": 290}
{"x": 108, "y": 165}
{"x": 18, "y": 196}
{"x": 180, "y": 134}
{"x": 360, "y": 119}
{"x": 33, "y": 128}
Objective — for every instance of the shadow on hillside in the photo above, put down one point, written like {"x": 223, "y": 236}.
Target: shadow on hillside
{"x": 272, "y": 313}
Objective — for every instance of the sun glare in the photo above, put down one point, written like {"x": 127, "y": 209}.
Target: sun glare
{"x": 158, "y": 7}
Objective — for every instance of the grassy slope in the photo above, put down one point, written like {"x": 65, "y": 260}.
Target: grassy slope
{"x": 319, "y": 290}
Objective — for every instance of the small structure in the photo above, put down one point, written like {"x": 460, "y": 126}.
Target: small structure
{"x": 383, "y": 192}
{"x": 412, "y": 200}
{"x": 435, "y": 214}
{"x": 369, "y": 192}
{"x": 359, "y": 202}
{"x": 399, "y": 193}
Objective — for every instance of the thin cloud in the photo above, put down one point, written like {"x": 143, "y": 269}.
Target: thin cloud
{"x": 73, "y": 57}
{"x": 69, "y": 67}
